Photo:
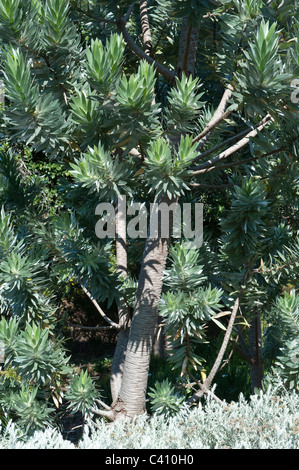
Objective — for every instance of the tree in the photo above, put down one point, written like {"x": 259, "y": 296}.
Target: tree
{"x": 164, "y": 100}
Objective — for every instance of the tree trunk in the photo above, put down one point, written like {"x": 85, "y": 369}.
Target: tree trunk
{"x": 131, "y": 399}
{"x": 187, "y": 49}
{"x": 134, "y": 348}
{"x": 123, "y": 309}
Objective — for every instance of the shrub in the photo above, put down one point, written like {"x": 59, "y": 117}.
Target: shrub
{"x": 266, "y": 421}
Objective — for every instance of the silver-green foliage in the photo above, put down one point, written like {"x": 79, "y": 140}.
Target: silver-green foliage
{"x": 81, "y": 393}
{"x": 266, "y": 421}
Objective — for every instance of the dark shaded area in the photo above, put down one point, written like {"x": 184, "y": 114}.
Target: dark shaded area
{"x": 82, "y": 343}
{"x": 90, "y": 350}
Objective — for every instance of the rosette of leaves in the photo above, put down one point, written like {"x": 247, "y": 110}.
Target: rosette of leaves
{"x": 100, "y": 173}
{"x": 166, "y": 169}
{"x": 32, "y": 414}
{"x": 82, "y": 393}
{"x": 37, "y": 358}
{"x": 186, "y": 316}
{"x": 138, "y": 113}
{"x": 262, "y": 78}
{"x": 34, "y": 118}
{"x": 164, "y": 400}
{"x": 185, "y": 272}
{"x": 104, "y": 62}
{"x": 184, "y": 105}
{"x": 11, "y": 15}
{"x": 88, "y": 116}
{"x": 8, "y": 336}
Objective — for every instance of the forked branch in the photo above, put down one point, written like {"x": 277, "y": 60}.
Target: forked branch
{"x": 234, "y": 148}
{"x": 121, "y": 24}
{"x": 219, "y": 115}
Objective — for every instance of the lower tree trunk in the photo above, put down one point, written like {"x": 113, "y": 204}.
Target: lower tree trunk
{"x": 132, "y": 395}
{"x": 123, "y": 309}
{"x": 117, "y": 367}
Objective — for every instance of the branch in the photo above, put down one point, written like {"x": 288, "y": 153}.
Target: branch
{"x": 146, "y": 32}
{"x": 234, "y": 148}
{"x": 224, "y": 143}
{"x": 204, "y": 388}
{"x": 218, "y": 116}
{"x": 94, "y": 328}
{"x": 209, "y": 392}
{"x": 107, "y": 319}
{"x": 101, "y": 403}
{"x": 104, "y": 414}
{"x": 210, "y": 186}
{"x": 167, "y": 73}
{"x": 216, "y": 365}
{"x": 246, "y": 160}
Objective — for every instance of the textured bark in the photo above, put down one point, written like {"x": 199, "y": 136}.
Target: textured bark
{"x": 140, "y": 342}
{"x": 146, "y": 32}
{"x": 123, "y": 309}
{"x": 117, "y": 366}
{"x": 188, "y": 48}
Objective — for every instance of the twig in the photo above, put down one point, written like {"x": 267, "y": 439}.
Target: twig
{"x": 209, "y": 392}
{"x": 209, "y": 186}
{"x": 245, "y": 161}
{"x": 94, "y": 328}
{"x": 234, "y": 148}
{"x": 230, "y": 354}
{"x": 101, "y": 403}
{"x": 218, "y": 116}
{"x": 107, "y": 319}
{"x": 204, "y": 388}
{"x": 104, "y": 414}
{"x": 224, "y": 143}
